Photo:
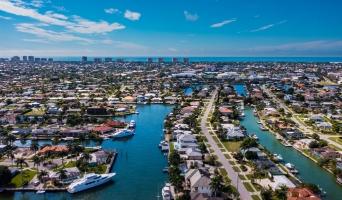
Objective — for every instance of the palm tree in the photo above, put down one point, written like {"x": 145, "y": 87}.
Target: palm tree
{"x": 36, "y": 161}
{"x": 86, "y": 156}
{"x": 62, "y": 174}
{"x": 42, "y": 174}
{"x": 62, "y": 154}
{"x": 20, "y": 162}
{"x": 11, "y": 138}
{"x": 216, "y": 183}
{"x": 34, "y": 146}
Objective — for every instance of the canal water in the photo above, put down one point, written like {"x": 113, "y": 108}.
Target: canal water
{"x": 240, "y": 89}
{"x": 309, "y": 171}
{"x": 138, "y": 166}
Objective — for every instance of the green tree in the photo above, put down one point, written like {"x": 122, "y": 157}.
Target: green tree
{"x": 5, "y": 175}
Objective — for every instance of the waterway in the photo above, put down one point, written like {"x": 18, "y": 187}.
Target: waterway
{"x": 309, "y": 171}
{"x": 138, "y": 166}
{"x": 240, "y": 89}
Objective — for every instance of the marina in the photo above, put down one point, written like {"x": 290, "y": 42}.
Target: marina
{"x": 139, "y": 164}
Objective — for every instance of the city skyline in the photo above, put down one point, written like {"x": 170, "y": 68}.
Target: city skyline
{"x": 175, "y": 28}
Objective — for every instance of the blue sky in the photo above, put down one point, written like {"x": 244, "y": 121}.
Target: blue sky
{"x": 171, "y": 28}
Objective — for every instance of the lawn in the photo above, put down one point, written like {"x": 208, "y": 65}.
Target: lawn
{"x": 236, "y": 168}
{"x": 69, "y": 164}
{"x": 255, "y": 197}
{"x": 248, "y": 187}
{"x": 24, "y": 177}
{"x": 227, "y": 156}
{"x": 242, "y": 177}
{"x": 100, "y": 169}
{"x": 232, "y": 146}
{"x": 36, "y": 112}
{"x": 336, "y": 139}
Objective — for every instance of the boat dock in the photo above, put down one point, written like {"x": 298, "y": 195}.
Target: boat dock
{"x": 111, "y": 163}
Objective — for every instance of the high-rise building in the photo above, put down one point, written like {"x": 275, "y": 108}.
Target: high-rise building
{"x": 186, "y": 60}
{"x": 50, "y": 59}
{"x": 43, "y": 59}
{"x": 160, "y": 60}
{"x": 108, "y": 59}
{"x": 15, "y": 59}
{"x": 97, "y": 60}
{"x": 174, "y": 60}
{"x": 120, "y": 60}
{"x": 84, "y": 58}
{"x": 149, "y": 60}
{"x": 25, "y": 58}
{"x": 31, "y": 58}
{"x": 36, "y": 59}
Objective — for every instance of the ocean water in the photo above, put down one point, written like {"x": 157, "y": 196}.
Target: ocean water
{"x": 217, "y": 59}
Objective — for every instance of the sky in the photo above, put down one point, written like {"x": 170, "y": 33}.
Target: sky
{"x": 220, "y": 28}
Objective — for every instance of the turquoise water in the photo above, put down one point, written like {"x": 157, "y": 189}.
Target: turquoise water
{"x": 309, "y": 171}
{"x": 138, "y": 166}
{"x": 219, "y": 59}
{"x": 188, "y": 91}
{"x": 240, "y": 89}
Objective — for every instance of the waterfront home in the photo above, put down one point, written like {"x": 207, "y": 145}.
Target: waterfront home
{"x": 198, "y": 182}
{"x": 303, "y": 143}
{"x": 233, "y": 132}
{"x": 301, "y": 194}
{"x": 225, "y": 111}
{"x": 53, "y": 149}
{"x": 71, "y": 174}
{"x": 277, "y": 182}
{"x": 326, "y": 153}
{"x": 69, "y": 132}
{"x": 99, "y": 157}
{"x": 293, "y": 134}
{"x": 115, "y": 124}
{"x": 193, "y": 154}
{"x": 103, "y": 129}
{"x": 179, "y": 132}
{"x": 186, "y": 141}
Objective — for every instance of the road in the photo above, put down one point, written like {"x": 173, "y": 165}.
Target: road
{"x": 236, "y": 182}
{"x": 301, "y": 125}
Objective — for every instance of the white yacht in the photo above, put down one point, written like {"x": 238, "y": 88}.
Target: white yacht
{"x": 277, "y": 157}
{"x": 291, "y": 168}
{"x": 123, "y": 133}
{"x": 166, "y": 192}
{"x": 89, "y": 181}
{"x": 131, "y": 124}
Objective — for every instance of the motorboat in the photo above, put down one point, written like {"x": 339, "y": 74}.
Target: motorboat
{"x": 123, "y": 133}
{"x": 89, "y": 181}
{"x": 40, "y": 192}
{"x": 254, "y": 136}
{"x": 277, "y": 157}
{"x": 166, "y": 192}
{"x": 164, "y": 146}
{"x": 131, "y": 124}
{"x": 291, "y": 168}
{"x": 263, "y": 128}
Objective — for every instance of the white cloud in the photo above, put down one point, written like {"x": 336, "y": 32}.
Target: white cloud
{"x": 39, "y": 31}
{"x": 220, "y": 24}
{"x": 56, "y": 15}
{"x": 87, "y": 27}
{"x": 190, "y": 17}
{"x": 268, "y": 26}
{"x": 77, "y": 24}
{"x": 133, "y": 16}
{"x": 5, "y": 18}
{"x": 111, "y": 10}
